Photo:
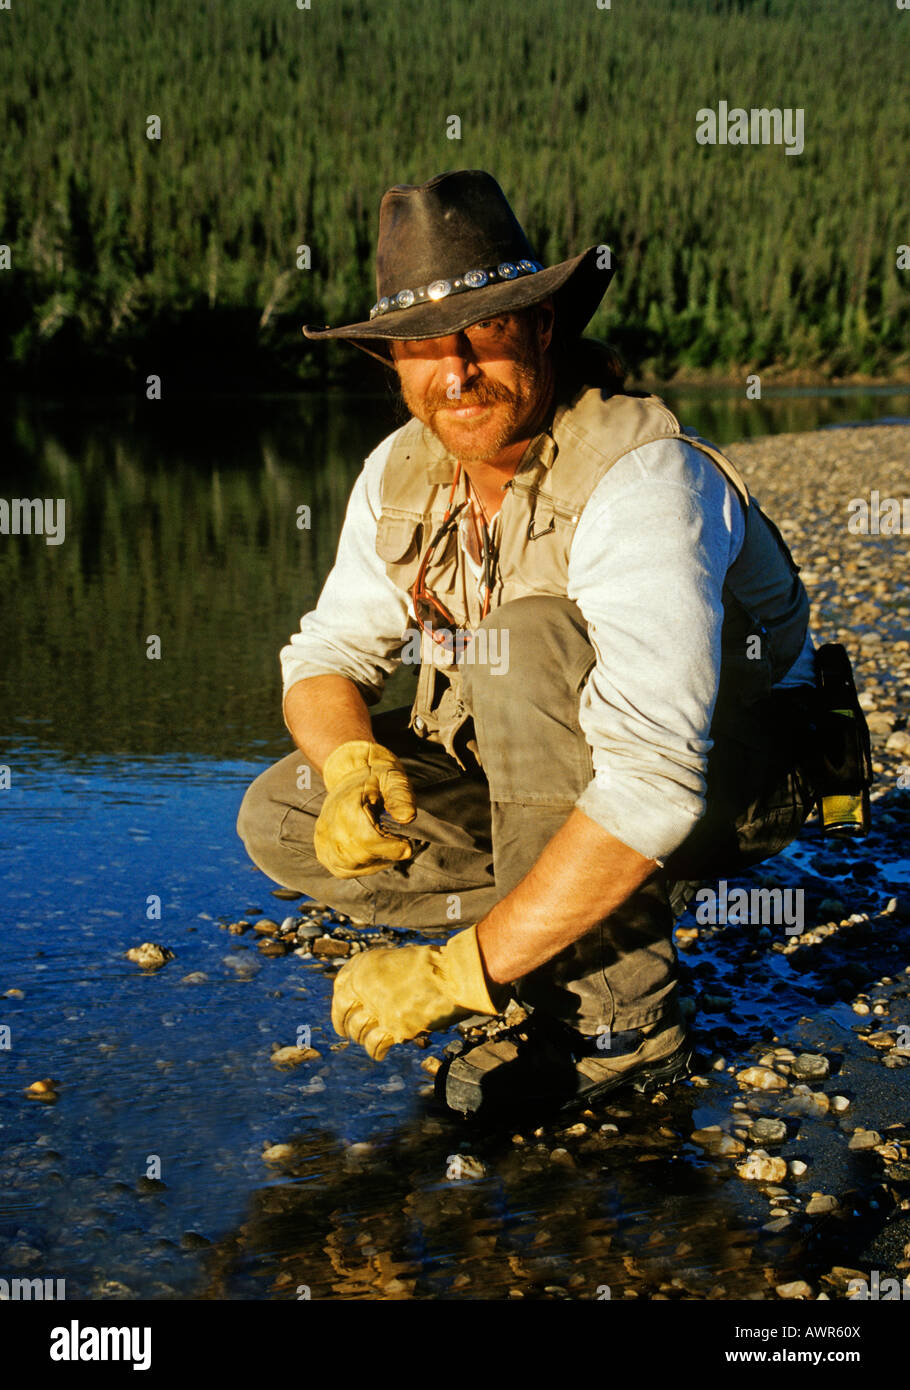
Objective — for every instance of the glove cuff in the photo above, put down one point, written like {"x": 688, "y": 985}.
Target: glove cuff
{"x": 354, "y": 756}
{"x": 466, "y": 977}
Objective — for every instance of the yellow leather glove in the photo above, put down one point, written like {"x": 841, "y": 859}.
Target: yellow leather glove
{"x": 362, "y": 779}
{"x": 388, "y": 995}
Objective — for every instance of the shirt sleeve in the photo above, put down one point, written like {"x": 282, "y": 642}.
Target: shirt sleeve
{"x": 647, "y": 569}
{"x": 357, "y": 628}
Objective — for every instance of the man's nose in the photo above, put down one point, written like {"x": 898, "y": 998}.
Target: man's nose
{"x": 457, "y": 361}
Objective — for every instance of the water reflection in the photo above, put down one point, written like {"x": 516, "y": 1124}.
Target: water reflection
{"x": 182, "y": 524}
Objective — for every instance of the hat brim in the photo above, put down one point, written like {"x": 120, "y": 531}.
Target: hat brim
{"x": 577, "y": 286}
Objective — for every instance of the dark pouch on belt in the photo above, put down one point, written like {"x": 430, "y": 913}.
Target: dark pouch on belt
{"x": 841, "y": 756}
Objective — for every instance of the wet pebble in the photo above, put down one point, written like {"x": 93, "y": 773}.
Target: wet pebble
{"x": 464, "y": 1167}
{"x": 812, "y": 1066}
{"x": 768, "y": 1131}
{"x": 268, "y": 947}
{"x": 46, "y": 1089}
{"x": 821, "y": 1204}
{"x": 797, "y": 1289}
{"x": 277, "y": 1153}
{"x": 328, "y": 946}
{"x": 807, "y": 1102}
{"x": 761, "y": 1079}
{"x": 717, "y": 1143}
{"x": 864, "y": 1139}
{"x": 243, "y": 966}
{"x": 292, "y": 1056}
{"x": 149, "y": 955}
{"x": 761, "y": 1167}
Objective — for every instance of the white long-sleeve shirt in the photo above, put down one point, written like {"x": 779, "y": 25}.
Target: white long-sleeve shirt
{"x": 646, "y": 567}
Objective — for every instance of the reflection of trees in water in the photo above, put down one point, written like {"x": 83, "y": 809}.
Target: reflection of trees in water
{"x": 624, "y": 1211}
{"x": 180, "y": 522}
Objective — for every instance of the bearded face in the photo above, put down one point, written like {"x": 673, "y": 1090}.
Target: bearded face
{"x": 482, "y": 388}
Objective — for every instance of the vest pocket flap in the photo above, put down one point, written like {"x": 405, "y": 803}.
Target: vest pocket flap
{"x": 397, "y": 538}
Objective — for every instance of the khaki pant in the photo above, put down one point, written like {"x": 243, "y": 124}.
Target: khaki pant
{"x": 478, "y": 833}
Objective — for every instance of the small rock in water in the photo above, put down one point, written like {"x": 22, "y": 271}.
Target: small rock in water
{"x": 716, "y": 1143}
{"x": 266, "y": 927}
{"x": 243, "y": 966}
{"x": 292, "y": 1056}
{"x": 464, "y": 1167}
{"x": 149, "y": 955}
{"x": 807, "y": 1102}
{"x": 277, "y": 1153}
{"x": 812, "y": 1066}
{"x": 797, "y": 1289}
{"x": 313, "y": 1088}
{"x": 195, "y": 977}
{"x": 767, "y": 1131}
{"x": 864, "y": 1139}
{"x": 14, "y": 994}
{"x": 797, "y": 1167}
{"x": 269, "y": 947}
{"x": 761, "y": 1079}
{"x": 839, "y": 1104}
{"x": 761, "y": 1167}
{"x": 328, "y": 946}
{"x": 821, "y": 1204}
{"x": 45, "y": 1089}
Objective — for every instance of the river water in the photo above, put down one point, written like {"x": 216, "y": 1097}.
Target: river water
{"x": 144, "y": 1176}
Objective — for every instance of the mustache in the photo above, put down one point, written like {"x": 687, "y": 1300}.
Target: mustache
{"x": 480, "y": 393}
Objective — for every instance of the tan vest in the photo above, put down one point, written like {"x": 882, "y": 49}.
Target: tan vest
{"x": 558, "y": 473}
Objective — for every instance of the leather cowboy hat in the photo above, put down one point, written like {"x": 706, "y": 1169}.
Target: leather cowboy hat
{"x": 451, "y": 252}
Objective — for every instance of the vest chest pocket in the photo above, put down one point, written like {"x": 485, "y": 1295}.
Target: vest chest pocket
{"x": 534, "y": 558}
{"x": 398, "y": 541}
